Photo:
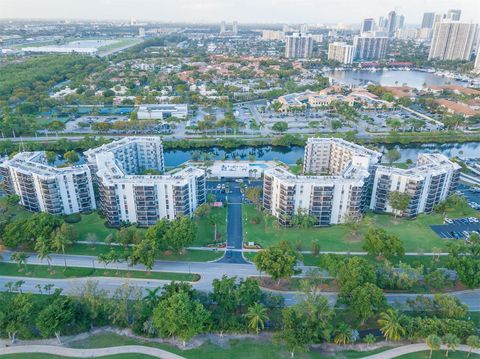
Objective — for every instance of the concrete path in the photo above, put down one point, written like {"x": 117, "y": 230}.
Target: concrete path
{"x": 90, "y": 353}
{"x": 412, "y": 348}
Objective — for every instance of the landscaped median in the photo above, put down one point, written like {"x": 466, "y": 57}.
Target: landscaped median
{"x": 58, "y": 272}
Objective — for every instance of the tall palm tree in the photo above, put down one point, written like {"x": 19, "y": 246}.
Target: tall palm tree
{"x": 42, "y": 247}
{"x": 342, "y": 334}
{"x": 256, "y": 316}
{"x": 391, "y": 324}
{"x": 434, "y": 342}
{"x": 59, "y": 243}
{"x": 451, "y": 341}
{"x": 473, "y": 341}
{"x": 20, "y": 258}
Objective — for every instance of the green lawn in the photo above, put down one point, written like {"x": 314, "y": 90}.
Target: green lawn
{"x": 438, "y": 355}
{"x": 43, "y": 271}
{"x": 48, "y": 356}
{"x": 92, "y": 227}
{"x": 238, "y": 349}
{"x": 190, "y": 255}
{"x": 206, "y": 231}
{"x": 416, "y": 234}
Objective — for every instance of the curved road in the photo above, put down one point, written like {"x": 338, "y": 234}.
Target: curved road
{"x": 413, "y": 348}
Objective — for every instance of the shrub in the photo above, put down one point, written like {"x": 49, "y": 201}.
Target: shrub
{"x": 73, "y": 218}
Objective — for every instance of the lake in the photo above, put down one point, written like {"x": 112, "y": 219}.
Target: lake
{"x": 291, "y": 154}
{"x": 391, "y": 78}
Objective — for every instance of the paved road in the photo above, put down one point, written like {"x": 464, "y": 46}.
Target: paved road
{"x": 208, "y": 272}
{"x": 234, "y": 253}
{"x": 89, "y": 353}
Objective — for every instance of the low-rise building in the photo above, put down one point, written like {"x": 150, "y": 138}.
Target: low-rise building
{"x": 430, "y": 182}
{"x": 45, "y": 188}
{"x": 162, "y": 111}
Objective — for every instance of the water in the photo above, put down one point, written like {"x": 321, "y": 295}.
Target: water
{"x": 291, "y": 154}
{"x": 391, "y": 78}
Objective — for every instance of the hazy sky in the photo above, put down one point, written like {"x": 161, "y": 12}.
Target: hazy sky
{"x": 311, "y": 11}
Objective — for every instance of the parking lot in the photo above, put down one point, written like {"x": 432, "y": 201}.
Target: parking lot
{"x": 460, "y": 228}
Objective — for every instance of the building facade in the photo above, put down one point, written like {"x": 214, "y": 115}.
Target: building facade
{"x": 127, "y": 195}
{"x": 333, "y": 188}
{"x": 367, "y": 25}
{"x": 162, "y": 111}
{"x": 427, "y": 21}
{"x": 45, "y": 188}
{"x": 452, "y": 40}
{"x": 341, "y": 52}
{"x": 370, "y": 47}
{"x": 298, "y": 46}
{"x": 476, "y": 67}
{"x": 432, "y": 180}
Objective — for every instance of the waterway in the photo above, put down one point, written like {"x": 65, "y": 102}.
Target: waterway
{"x": 291, "y": 154}
{"x": 391, "y": 78}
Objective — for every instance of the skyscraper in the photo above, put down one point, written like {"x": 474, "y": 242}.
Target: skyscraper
{"x": 400, "y": 22}
{"x": 235, "y": 28}
{"x": 341, "y": 52}
{"x": 454, "y": 14}
{"x": 392, "y": 23}
{"x": 427, "y": 22}
{"x": 223, "y": 27}
{"x": 476, "y": 68}
{"x": 370, "y": 47}
{"x": 298, "y": 45}
{"x": 367, "y": 25}
{"x": 452, "y": 40}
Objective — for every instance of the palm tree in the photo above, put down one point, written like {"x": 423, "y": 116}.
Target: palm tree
{"x": 451, "y": 341}
{"x": 390, "y": 324}
{"x": 369, "y": 339}
{"x": 434, "y": 342}
{"x": 60, "y": 241}
{"x": 20, "y": 258}
{"x": 152, "y": 297}
{"x": 256, "y": 316}
{"x": 342, "y": 334}
{"x": 473, "y": 341}
{"x": 42, "y": 247}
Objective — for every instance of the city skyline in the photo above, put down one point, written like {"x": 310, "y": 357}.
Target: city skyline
{"x": 249, "y": 11}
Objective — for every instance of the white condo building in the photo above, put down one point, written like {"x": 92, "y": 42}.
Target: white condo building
{"x": 370, "y": 47}
{"x": 45, "y": 188}
{"x": 430, "y": 182}
{"x": 298, "y": 45}
{"x": 341, "y": 52}
{"x": 333, "y": 187}
{"x": 128, "y": 196}
{"x": 452, "y": 40}
{"x": 476, "y": 67}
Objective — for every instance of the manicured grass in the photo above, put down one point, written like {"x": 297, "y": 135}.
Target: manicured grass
{"x": 238, "y": 349}
{"x": 92, "y": 227}
{"x": 48, "y": 356}
{"x": 416, "y": 234}
{"x": 43, "y": 271}
{"x": 190, "y": 255}
{"x": 206, "y": 231}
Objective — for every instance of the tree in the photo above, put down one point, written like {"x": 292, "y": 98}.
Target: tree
{"x": 464, "y": 258}
{"x": 16, "y": 315}
{"x": 21, "y": 259}
{"x": 437, "y": 279}
{"x": 451, "y": 342}
{"x": 71, "y": 157}
{"x": 63, "y": 238}
{"x": 434, "y": 342}
{"x": 392, "y": 156}
{"x": 294, "y": 332}
{"x": 391, "y": 324}
{"x": 50, "y": 156}
{"x": 366, "y": 301}
{"x": 473, "y": 342}
{"x": 145, "y": 253}
{"x": 180, "y": 234}
{"x": 278, "y": 261}
{"x": 369, "y": 339}
{"x": 254, "y": 195}
{"x": 55, "y": 317}
{"x": 315, "y": 248}
{"x": 280, "y": 126}
{"x": 399, "y": 201}
{"x": 256, "y": 316}
{"x": 248, "y": 292}
{"x": 43, "y": 249}
{"x": 180, "y": 316}
{"x": 342, "y": 334}
{"x": 379, "y": 243}
{"x": 352, "y": 273}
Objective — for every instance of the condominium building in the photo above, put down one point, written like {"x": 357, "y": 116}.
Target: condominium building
{"x": 45, "y": 188}
{"x": 341, "y": 52}
{"x": 298, "y": 45}
{"x": 476, "y": 67}
{"x": 428, "y": 18}
{"x": 333, "y": 188}
{"x": 452, "y": 40}
{"x": 128, "y": 196}
{"x": 272, "y": 35}
{"x": 454, "y": 14}
{"x": 370, "y": 47}
{"x": 367, "y": 25}
{"x": 431, "y": 181}
{"x": 392, "y": 23}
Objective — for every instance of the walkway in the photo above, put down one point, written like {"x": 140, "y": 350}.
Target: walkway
{"x": 413, "y": 348}
{"x": 89, "y": 353}
{"x": 233, "y": 254}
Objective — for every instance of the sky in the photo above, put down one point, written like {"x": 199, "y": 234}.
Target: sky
{"x": 247, "y": 11}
